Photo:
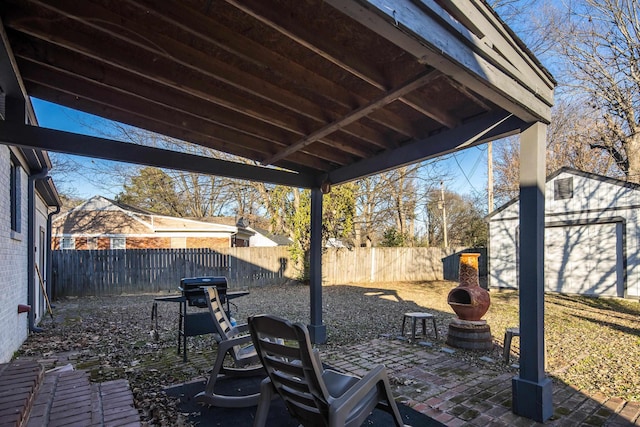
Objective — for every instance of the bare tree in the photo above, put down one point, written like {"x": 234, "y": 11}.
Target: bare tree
{"x": 195, "y": 195}
{"x": 464, "y": 220}
{"x": 600, "y": 42}
{"x": 569, "y": 140}
{"x": 530, "y": 19}
{"x": 402, "y": 197}
{"x": 392, "y": 200}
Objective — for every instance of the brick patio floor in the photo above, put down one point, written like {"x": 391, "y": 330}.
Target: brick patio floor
{"x": 453, "y": 392}
{"x": 29, "y": 397}
{"x": 430, "y": 380}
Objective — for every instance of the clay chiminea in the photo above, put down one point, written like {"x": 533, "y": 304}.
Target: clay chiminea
{"x": 468, "y": 299}
{"x": 470, "y": 302}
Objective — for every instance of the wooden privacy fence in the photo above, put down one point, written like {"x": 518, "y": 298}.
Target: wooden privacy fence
{"x": 117, "y": 271}
{"x": 451, "y": 263}
{"x": 343, "y": 265}
{"x": 109, "y": 272}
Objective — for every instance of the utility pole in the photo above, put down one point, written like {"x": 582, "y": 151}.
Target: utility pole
{"x": 444, "y": 214}
{"x": 490, "y": 175}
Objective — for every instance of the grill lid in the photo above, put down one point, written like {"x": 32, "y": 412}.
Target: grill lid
{"x": 193, "y": 289}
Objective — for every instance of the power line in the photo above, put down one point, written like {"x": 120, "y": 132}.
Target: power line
{"x": 463, "y": 173}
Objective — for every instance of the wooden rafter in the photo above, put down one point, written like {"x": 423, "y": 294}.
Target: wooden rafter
{"x": 261, "y": 79}
{"x": 355, "y": 115}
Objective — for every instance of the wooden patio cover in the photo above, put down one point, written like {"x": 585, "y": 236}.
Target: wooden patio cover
{"x": 313, "y": 93}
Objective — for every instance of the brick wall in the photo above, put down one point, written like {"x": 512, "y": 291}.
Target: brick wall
{"x": 148, "y": 242}
{"x": 13, "y": 264}
{"x": 82, "y": 243}
{"x": 104, "y": 243}
{"x": 155, "y": 243}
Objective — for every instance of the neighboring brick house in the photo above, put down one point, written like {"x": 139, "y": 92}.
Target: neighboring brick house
{"x": 29, "y": 198}
{"x": 260, "y": 236}
{"x": 100, "y": 223}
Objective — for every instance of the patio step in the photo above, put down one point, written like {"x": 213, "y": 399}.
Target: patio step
{"x": 29, "y": 398}
{"x": 19, "y": 381}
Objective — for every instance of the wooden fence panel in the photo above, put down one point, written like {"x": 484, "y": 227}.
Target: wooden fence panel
{"x": 115, "y": 271}
{"x": 451, "y": 263}
{"x": 343, "y": 265}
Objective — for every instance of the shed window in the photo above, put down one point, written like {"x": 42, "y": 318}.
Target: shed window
{"x": 563, "y": 189}
{"x": 68, "y": 243}
{"x": 14, "y": 195}
{"x": 118, "y": 243}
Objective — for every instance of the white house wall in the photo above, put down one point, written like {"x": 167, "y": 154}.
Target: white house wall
{"x": 13, "y": 263}
{"x": 597, "y": 207}
{"x": 261, "y": 241}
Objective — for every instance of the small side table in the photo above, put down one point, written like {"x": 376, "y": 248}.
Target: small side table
{"x": 414, "y": 318}
{"x": 508, "y": 335}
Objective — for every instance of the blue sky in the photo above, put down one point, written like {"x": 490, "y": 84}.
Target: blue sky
{"x": 55, "y": 116}
{"x": 468, "y": 168}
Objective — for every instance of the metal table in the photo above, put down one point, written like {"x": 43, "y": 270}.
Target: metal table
{"x": 191, "y": 324}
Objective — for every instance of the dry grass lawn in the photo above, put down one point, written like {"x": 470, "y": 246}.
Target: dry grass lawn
{"x": 592, "y": 343}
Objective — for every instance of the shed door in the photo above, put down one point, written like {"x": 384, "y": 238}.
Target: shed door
{"x": 584, "y": 259}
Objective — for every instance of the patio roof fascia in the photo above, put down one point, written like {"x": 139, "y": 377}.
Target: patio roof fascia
{"x": 11, "y": 84}
{"x": 16, "y": 105}
{"x": 427, "y": 31}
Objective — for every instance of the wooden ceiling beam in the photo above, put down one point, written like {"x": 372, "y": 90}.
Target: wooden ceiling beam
{"x": 148, "y": 66}
{"x": 466, "y": 135}
{"x": 355, "y": 115}
{"x": 186, "y": 56}
{"x": 65, "y": 63}
{"x": 11, "y": 84}
{"x": 180, "y": 15}
{"x": 470, "y": 95}
{"x": 162, "y": 48}
{"x": 180, "y": 126}
{"x": 301, "y": 34}
{"x": 140, "y": 107}
{"x": 177, "y": 14}
{"x": 316, "y": 43}
{"x": 58, "y": 141}
{"x": 426, "y": 107}
{"x": 300, "y": 163}
{"x": 161, "y": 73}
{"x": 364, "y": 133}
{"x": 69, "y": 65}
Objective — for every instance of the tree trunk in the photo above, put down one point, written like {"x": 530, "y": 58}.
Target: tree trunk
{"x": 632, "y": 147}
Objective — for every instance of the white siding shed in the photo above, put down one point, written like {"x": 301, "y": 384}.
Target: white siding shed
{"x": 592, "y": 236}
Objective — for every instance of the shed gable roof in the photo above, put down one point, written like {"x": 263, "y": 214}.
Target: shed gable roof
{"x": 617, "y": 194}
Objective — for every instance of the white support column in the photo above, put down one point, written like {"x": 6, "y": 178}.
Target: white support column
{"x": 532, "y": 394}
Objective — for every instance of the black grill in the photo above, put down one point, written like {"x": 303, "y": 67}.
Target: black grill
{"x": 192, "y": 289}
